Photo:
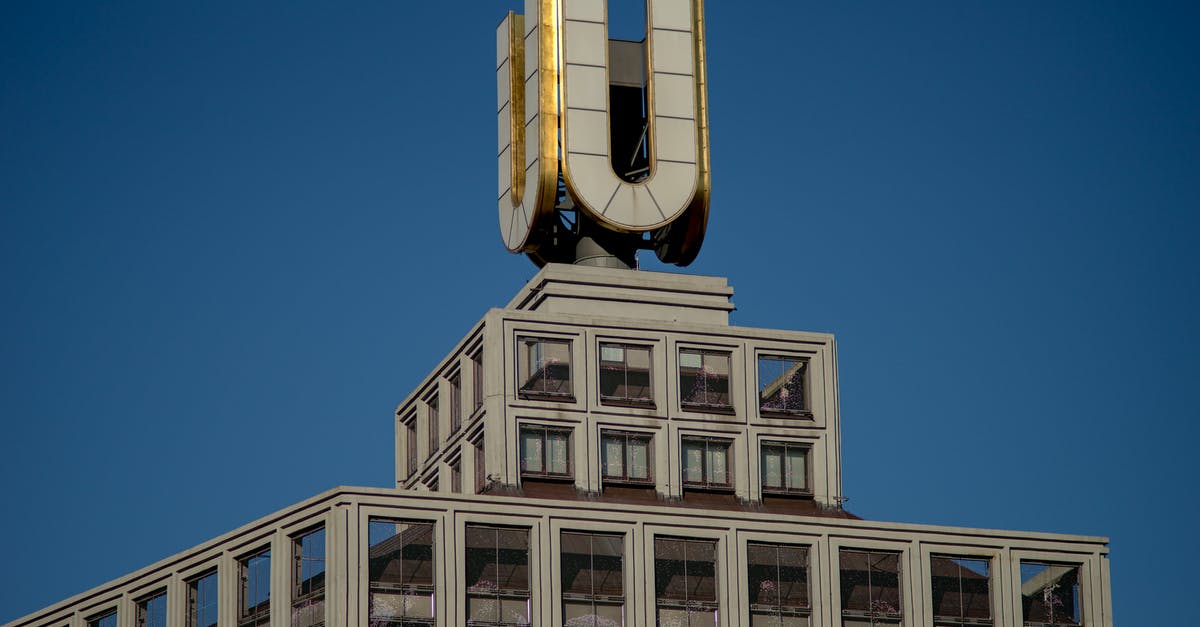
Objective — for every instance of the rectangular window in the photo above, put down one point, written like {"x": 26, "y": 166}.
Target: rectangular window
{"x": 593, "y": 579}
{"x": 625, "y": 375}
{"x": 497, "y": 575}
{"x": 456, "y": 476}
{"x": 961, "y": 591}
{"x": 704, "y": 379}
{"x": 152, "y": 611}
{"x": 435, "y": 441}
{"x": 685, "y": 581}
{"x": 477, "y": 380}
{"x": 870, "y": 584}
{"x": 545, "y": 452}
{"x": 254, "y": 594}
{"x": 706, "y": 463}
{"x": 202, "y": 601}
{"x": 544, "y": 368}
{"x": 308, "y": 579}
{"x": 401, "y": 573}
{"x": 625, "y": 457}
{"x": 1050, "y": 594}
{"x": 785, "y": 468}
{"x": 455, "y": 402}
{"x": 778, "y": 581}
{"x": 782, "y": 387}
{"x": 481, "y": 481}
{"x": 410, "y": 429}
{"x": 104, "y": 620}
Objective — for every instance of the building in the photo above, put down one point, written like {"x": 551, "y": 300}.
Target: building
{"x": 608, "y": 450}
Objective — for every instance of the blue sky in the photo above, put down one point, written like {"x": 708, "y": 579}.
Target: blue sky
{"x": 222, "y": 225}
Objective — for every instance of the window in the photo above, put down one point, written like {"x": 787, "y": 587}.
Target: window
{"x": 401, "y": 573}
{"x": 202, "y": 601}
{"x": 481, "y": 480}
{"x": 431, "y": 404}
{"x": 1050, "y": 594}
{"x": 497, "y": 575}
{"x": 593, "y": 579}
{"x": 254, "y": 595}
{"x": 870, "y": 588}
{"x": 544, "y": 368}
{"x": 778, "y": 581}
{"x": 625, "y": 457}
{"x": 477, "y": 379}
{"x": 785, "y": 468}
{"x": 545, "y": 452}
{"x": 455, "y": 402}
{"x": 782, "y": 385}
{"x": 308, "y": 579}
{"x": 456, "y": 476}
{"x": 104, "y": 620}
{"x": 625, "y": 375}
{"x": 685, "y": 581}
{"x": 706, "y": 463}
{"x": 410, "y": 429}
{"x": 704, "y": 379}
{"x": 961, "y": 591}
{"x": 152, "y": 610}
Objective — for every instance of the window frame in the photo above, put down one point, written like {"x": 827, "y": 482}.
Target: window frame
{"x": 495, "y": 591}
{"x": 625, "y": 401}
{"x": 545, "y": 430}
{"x": 433, "y": 420}
{"x": 687, "y": 603}
{"x": 592, "y": 598}
{"x": 805, "y": 410}
{"x": 192, "y": 600}
{"x": 1081, "y": 591}
{"x": 94, "y": 619}
{"x": 807, "y": 489}
{"x": 299, "y": 598}
{"x": 456, "y": 405}
{"x": 257, "y": 615}
{"x": 413, "y": 589}
{"x": 480, "y": 458}
{"x": 881, "y": 616}
{"x": 625, "y": 479}
{"x": 411, "y": 443}
{"x": 524, "y": 378}
{"x": 141, "y": 608}
{"x": 706, "y": 484}
{"x": 780, "y": 610}
{"x": 705, "y": 406}
{"x": 476, "y": 380}
{"x": 962, "y": 621}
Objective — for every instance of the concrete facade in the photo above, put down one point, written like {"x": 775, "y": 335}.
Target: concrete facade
{"x": 474, "y": 453}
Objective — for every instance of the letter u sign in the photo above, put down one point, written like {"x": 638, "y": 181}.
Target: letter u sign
{"x": 569, "y": 138}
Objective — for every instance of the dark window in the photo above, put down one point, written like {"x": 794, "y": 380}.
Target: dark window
{"x": 481, "y": 481}
{"x": 704, "y": 379}
{"x": 254, "y": 594}
{"x": 1050, "y": 594}
{"x": 456, "y": 476}
{"x": 434, "y": 440}
{"x": 625, "y": 375}
{"x": 152, "y": 611}
{"x": 706, "y": 463}
{"x": 625, "y": 457}
{"x": 778, "y": 581}
{"x": 401, "y": 573}
{"x": 961, "y": 591}
{"x": 455, "y": 402}
{"x": 308, "y": 579}
{"x": 785, "y": 468}
{"x": 497, "y": 575}
{"x": 410, "y": 429}
{"x": 104, "y": 620}
{"x": 685, "y": 581}
{"x": 782, "y": 387}
{"x": 870, "y": 588}
{"x": 593, "y": 579}
{"x": 545, "y": 452}
{"x": 477, "y": 379}
{"x": 202, "y": 601}
{"x": 544, "y": 368}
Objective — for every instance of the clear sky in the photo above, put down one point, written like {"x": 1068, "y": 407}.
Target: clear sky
{"x": 235, "y": 234}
